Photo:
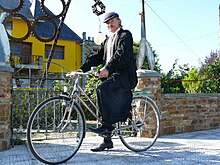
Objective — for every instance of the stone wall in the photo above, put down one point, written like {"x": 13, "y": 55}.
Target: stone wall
{"x": 189, "y": 112}
{"x": 5, "y": 107}
{"x": 181, "y": 112}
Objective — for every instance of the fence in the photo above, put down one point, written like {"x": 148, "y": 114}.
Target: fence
{"x": 33, "y": 59}
{"x": 23, "y": 103}
{"x": 27, "y": 96}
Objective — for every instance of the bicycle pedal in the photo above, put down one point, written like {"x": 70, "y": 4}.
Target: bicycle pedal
{"x": 105, "y": 135}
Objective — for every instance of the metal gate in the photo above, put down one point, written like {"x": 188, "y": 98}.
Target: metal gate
{"x": 26, "y": 97}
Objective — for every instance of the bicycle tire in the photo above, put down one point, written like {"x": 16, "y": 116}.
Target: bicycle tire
{"x": 12, "y": 10}
{"x": 48, "y": 143}
{"x": 142, "y": 127}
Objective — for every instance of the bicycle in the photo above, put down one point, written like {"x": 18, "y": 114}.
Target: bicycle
{"x": 57, "y": 126}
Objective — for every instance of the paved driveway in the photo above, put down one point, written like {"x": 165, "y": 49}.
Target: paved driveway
{"x": 195, "y": 148}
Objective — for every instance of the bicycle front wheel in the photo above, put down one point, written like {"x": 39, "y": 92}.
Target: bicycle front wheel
{"x": 142, "y": 128}
{"x": 53, "y": 138}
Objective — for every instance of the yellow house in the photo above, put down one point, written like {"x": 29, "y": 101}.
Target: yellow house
{"x": 29, "y": 53}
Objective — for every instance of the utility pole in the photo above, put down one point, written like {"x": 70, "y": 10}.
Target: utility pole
{"x": 144, "y": 48}
{"x": 143, "y": 27}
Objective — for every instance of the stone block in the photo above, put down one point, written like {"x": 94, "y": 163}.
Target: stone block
{"x": 5, "y": 107}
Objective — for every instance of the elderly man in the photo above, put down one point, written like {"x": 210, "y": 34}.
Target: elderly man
{"x": 118, "y": 76}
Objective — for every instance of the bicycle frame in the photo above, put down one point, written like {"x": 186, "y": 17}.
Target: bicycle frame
{"x": 78, "y": 91}
{"x": 75, "y": 97}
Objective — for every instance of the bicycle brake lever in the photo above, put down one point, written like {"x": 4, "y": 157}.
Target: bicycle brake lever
{"x": 68, "y": 74}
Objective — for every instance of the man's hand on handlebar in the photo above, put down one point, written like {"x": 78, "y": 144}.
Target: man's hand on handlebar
{"x": 103, "y": 73}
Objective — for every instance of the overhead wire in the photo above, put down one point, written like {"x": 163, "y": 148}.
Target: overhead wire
{"x": 133, "y": 20}
{"x": 181, "y": 40}
{"x": 192, "y": 39}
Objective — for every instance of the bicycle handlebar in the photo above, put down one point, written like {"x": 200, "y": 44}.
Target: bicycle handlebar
{"x": 69, "y": 74}
{"x": 93, "y": 70}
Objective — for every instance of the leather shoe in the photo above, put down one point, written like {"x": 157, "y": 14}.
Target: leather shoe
{"x": 102, "y": 130}
{"x": 103, "y": 146}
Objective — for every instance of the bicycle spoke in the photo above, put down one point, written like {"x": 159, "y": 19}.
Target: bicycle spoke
{"x": 141, "y": 129}
{"x": 52, "y": 137}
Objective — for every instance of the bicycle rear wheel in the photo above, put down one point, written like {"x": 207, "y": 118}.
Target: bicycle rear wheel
{"x": 142, "y": 128}
{"x": 49, "y": 139}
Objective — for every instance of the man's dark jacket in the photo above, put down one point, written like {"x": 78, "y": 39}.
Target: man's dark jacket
{"x": 121, "y": 65}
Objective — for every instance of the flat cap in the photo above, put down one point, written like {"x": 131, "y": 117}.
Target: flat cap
{"x": 109, "y": 16}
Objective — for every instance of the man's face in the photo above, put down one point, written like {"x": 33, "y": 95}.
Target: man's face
{"x": 113, "y": 24}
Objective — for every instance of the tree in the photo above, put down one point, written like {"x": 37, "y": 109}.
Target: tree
{"x": 189, "y": 84}
{"x": 172, "y": 81}
{"x": 210, "y": 72}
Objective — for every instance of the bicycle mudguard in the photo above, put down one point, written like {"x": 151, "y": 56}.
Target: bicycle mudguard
{"x": 144, "y": 92}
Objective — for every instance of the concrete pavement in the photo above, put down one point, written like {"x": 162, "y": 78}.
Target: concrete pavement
{"x": 194, "y": 148}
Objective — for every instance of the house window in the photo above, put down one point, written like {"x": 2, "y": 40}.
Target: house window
{"x": 58, "y": 52}
{"x": 20, "y": 48}
{"x": 16, "y": 48}
{"x": 22, "y": 52}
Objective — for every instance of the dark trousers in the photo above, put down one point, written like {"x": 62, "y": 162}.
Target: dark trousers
{"x": 114, "y": 101}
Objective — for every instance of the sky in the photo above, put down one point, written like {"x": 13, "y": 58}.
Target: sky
{"x": 183, "y": 30}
